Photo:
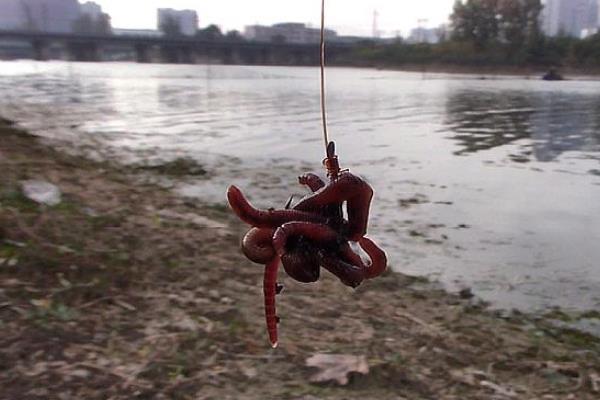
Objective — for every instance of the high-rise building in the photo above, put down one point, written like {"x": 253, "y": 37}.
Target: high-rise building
{"x": 11, "y": 15}
{"x": 289, "y": 32}
{"x": 594, "y": 18}
{"x": 186, "y": 20}
{"x": 50, "y": 15}
{"x": 39, "y": 15}
{"x": 92, "y": 20}
{"x": 91, "y": 9}
{"x": 426, "y": 35}
{"x": 570, "y": 17}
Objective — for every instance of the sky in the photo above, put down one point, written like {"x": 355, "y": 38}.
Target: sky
{"x": 348, "y": 17}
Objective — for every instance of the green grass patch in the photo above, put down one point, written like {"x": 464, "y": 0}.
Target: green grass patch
{"x": 558, "y": 314}
{"x": 183, "y": 166}
{"x": 592, "y": 314}
{"x": 46, "y": 312}
{"x": 14, "y": 198}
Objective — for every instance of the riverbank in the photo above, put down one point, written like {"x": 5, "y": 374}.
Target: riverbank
{"x": 478, "y": 72}
{"x": 489, "y": 72}
{"x": 124, "y": 290}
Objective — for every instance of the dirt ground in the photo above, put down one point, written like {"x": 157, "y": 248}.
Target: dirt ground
{"x": 124, "y": 290}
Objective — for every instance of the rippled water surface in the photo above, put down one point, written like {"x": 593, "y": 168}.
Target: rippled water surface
{"x": 492, "y": 184}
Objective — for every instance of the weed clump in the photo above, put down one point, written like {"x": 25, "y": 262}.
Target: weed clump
{"x": 179, "y": 167}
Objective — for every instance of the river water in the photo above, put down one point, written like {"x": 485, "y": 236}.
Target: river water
{"x": 492, "y": 184}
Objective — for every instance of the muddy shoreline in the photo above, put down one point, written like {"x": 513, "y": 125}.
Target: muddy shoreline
{"x": 125, "y": 290}
{"x": 489, "y": 72}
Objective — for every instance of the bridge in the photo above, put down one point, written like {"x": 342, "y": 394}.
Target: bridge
{"x": 180, "y": 49}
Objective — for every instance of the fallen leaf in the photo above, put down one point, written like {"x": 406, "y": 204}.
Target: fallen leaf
{"x": 336, "y": 367}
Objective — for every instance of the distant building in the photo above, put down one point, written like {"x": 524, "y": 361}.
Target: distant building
{"x": 11, "y": 15}
{"x": 138, "y": 32}
{"x": 354, "y": 39}
{"x": 594, "y": 25}
{"x": 426, "y": 35}
{"x": 59, "y": 16}
{"x": 259, "y": 33}
{"x": 576, "y": 18}
{"x": 92, "y": 20}
{"x": 91, "y": 9}
{"x": 187, "y": 20}
{"x": 289, "y": 32}
{"x": 49, "y": 15}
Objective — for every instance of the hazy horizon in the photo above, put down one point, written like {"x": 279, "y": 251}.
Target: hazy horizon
{"x": 348, "y": 19}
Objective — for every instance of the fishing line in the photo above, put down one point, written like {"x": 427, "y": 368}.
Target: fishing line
{"x": 322, "y": 62}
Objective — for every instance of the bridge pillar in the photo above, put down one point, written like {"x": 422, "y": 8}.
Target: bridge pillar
{"x": 209, "y": 55}
{"x": 186, "y": 55}
{"x": 303, "y": 57}
{"x": 227, "y": 56}
{"x": 142, "y": 53}
{"x": 169, "y": 55}
{"x": 281, "y": 56}
{"x": 40, "y": 50}
{"x": 84, "y": 51}
{"x": 335, "y": 56}
{"x": 267, "y": 56}
{"x": 177, "y": 55}
{"x": 247, "y": 57}
{"x": 233, "y": 56}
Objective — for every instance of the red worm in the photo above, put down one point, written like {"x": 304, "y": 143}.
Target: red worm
{"x": 317, "y": 232}
{"x": 266, "y": 218}
{"x": 347, "y": 187}
{"x": 314, "y": 182}
{"x": 377, "y": 256}
{"x": 257, "y": 245}
{"x": 270, "y": 291}
{"x": 351, "y": 257}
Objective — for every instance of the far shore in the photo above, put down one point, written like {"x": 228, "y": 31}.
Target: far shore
{"x": 490, "y": 71}
{"x": 487, "y": 71}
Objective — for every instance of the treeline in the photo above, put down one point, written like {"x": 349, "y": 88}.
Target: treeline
{"x": 490, "y": 33}
{"x": 212, "y": 33}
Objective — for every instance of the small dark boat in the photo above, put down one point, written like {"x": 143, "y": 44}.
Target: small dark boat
{"x": 552, "y": 75}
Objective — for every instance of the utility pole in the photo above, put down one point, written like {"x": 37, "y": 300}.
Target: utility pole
{"x": 375, "y": 26}
{"x": 421, "y": 23}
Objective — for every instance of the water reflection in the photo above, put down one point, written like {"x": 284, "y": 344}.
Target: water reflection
{"x": 483, "y": 120}
{"x": 564, "y": 123}
{"x": 56, "y": 101}
{"x": 543, "y": 125}
{"x": 179, "y": 95}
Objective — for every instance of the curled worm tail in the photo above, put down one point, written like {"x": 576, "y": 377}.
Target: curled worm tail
{"x": 377, "y": 256}
{"x": 270, "y": 291}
